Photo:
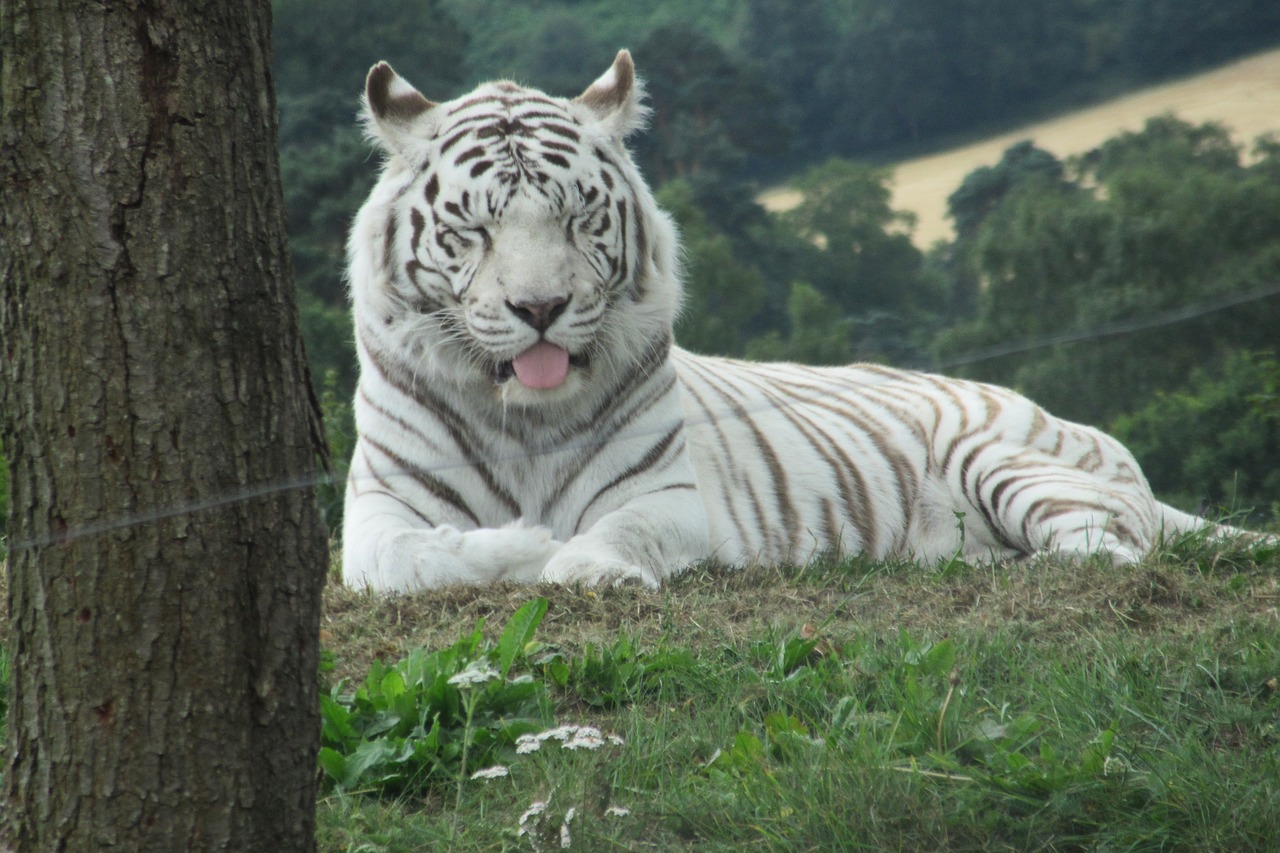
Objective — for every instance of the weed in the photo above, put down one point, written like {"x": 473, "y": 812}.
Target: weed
{"x": 434, "y": 717}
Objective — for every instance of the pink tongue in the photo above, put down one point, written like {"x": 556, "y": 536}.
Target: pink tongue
{"x": 543, "y": 365}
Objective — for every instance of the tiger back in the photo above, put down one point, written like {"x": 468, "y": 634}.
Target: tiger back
{"x": 523, "y": 413}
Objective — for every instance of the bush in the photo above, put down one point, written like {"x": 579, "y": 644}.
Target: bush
{"x": 1215, "y": 442}
{"x": 434, "y": 717}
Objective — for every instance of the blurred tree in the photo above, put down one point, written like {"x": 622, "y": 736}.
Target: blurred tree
{"x": 561, "y": 54}
{"x": 324, "y": 49}
{"x": 793, "y": 43}
{"x": 723, "y": 294}
{"x": 867, "y": 259}
{"x": 977, "y": 197}
{"x": 1215, "y": 443}
{"x": 818, "y": 332}
{"x": 984, "y": 188}
{"x": 905, "y": 71}
{"x": 710, "y": 111}
{"x": 1159, "y": 37}
{"x": 4, "y": 492}
{"x": 1151, "y": 223}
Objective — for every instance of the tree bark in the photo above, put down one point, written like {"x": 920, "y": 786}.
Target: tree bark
{"x": 166, "y": 551}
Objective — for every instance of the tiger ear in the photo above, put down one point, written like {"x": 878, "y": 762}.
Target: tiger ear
{"x": 616, "y": 97}
{"x": 393, "y": 110}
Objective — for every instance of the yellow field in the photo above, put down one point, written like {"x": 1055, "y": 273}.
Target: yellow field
{"x": 1244, "y": 96}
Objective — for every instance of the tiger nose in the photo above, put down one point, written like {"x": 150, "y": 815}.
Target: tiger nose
{"x": 539, "y": 313}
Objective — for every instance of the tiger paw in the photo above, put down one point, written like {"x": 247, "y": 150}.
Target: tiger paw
{"x": 581, "y": 566}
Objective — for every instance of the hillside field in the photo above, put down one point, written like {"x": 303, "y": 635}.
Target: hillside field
{"x": 1244, "y": 96}
{"x": 1032, "y": 705}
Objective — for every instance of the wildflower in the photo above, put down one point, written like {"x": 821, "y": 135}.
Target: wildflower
{"x": 565, "y": 839}
{"x": 526, "y": 744}
{"x": 617, "y": 811}
{"x": 614, "y": 740}
{"x": 477, "y": 672}
{"x": 584, "y": 740}
{"x": 497, "y": 771}
{"x": 559, "y": 733}
{"x": 534, "y": 811}
{"x": 1113, "y": 765}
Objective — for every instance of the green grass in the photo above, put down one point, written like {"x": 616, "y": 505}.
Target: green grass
{"x": 855, "y": 706}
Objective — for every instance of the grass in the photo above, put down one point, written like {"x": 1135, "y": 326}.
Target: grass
{"x": 853, "y": 705}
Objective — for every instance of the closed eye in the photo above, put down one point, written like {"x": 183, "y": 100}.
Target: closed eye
{"x": 454, "y": 242}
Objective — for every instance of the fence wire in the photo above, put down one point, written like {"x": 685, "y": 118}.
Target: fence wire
{"x": 1122, "y": 327}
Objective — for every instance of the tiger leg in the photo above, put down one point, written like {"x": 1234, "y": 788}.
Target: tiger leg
{"x": 647, "y": 539}
{"x": 1034, "y": 505}
{"x": 387, "y": 550}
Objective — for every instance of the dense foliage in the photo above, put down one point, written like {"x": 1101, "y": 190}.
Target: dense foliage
{"x": 1135, "y": 252}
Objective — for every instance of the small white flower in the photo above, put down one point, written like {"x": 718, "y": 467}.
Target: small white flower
{"x": 617, "y": 811}
{"x": 497, "y": 771}
{"x": 477, "y": 672}
{"x": 614, "y": 740}
{"x": 559, "y": 733}
{"x": 566, "y": 840}
{"x": 526, "y": 744}
{"x": 583, "y": 741}
{"x": 1114, "y": 764}
{"x": 534, "y": 810}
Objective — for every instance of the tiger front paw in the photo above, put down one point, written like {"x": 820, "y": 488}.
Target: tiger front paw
{"x": 581, "y": 566}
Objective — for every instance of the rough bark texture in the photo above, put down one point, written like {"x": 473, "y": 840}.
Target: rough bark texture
{"x": 166, "y": 564}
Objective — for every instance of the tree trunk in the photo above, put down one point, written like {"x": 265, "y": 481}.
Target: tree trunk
{"x": 166, "y": 552}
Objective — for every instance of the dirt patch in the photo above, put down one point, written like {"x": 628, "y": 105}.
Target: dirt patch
{"x": 1047, "y": 601}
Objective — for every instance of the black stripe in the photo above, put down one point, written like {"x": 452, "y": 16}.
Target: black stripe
{"x": 454, "y": 140}
{"x": 656, "y": 452}
{"x": 781, "y": 491}
{"x": 437, "y": 487}
{"x": 386, "y": 491}
{"x": 726, "y": 497}
{"x": 455, "y": 427}
{"x": 848, "y": 409}
{"x": 863, "y": 515}
{"x": 389, "y": 242}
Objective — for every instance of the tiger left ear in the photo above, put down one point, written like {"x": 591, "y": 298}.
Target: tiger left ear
{"x": 615, "y": 97}
{"x": 392, "y": 108}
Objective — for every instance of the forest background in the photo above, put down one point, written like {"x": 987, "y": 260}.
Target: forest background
{"x": 1136, "y": 287}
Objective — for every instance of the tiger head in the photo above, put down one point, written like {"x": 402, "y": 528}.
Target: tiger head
{"x": 510, "y": 247}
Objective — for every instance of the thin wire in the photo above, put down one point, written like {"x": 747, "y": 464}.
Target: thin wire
{"x": 1167, "y": 318}
{"x": 1119, "y": 327}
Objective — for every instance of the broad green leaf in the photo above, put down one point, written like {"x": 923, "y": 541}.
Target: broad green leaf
{"x": 333, "y": 763}
{"x": 519, "y": 632}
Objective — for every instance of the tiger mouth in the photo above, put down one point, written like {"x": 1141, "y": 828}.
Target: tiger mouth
{"x": 504, "y": 371}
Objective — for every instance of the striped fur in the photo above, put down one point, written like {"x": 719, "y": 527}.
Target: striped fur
{"x": 508, "y": 222}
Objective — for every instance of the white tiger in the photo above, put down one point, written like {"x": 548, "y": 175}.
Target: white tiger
{"x": 524, "y": 415}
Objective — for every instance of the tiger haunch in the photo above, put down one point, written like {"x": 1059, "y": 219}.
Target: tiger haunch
{"x": 523, "y": 413}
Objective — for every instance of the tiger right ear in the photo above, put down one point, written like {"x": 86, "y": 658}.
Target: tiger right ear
{"x": 616, "y": 98}
{"x": 392, "y": 108}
